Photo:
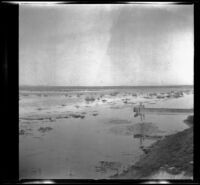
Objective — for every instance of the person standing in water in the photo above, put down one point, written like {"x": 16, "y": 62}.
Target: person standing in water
{"x": 141, "y": 106}
{"x": 138, "y": 109}
{"x": 138, "y": 112}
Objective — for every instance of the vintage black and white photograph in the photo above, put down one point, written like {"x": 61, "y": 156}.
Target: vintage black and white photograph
{"x": 106, "y": 91}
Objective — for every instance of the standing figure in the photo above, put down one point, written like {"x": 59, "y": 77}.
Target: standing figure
{"x": 141, "y": 106}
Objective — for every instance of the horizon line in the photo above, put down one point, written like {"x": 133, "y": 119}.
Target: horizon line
{"x": 104, "y": 85}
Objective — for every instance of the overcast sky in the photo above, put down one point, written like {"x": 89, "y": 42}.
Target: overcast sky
{"x": 123, "y": 44}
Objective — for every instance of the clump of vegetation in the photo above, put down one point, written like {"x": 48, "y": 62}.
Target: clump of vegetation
{"x": 51, "y": 119}
{"x": 148, "y": 97}
{"x": 89, "y": 99}
{"x": 25, "y": 132}
{"x": 160, "y": 96}
{"x": 168, "y": 95}
{"x": 21, "y": 132}
{"x": 77, "y": 116}
{"x": 189, "y": 120}
{"x": 25, "y": 94}
{"x": 44, "y": 129}
{"x": 114, "y": 94}
{"x": 178, "y": 94}
{"x": 101, "y": 95}
{"x": 125, "y": 100}
{"x": 134, "y": 94}
{"x": 153, "y": 94}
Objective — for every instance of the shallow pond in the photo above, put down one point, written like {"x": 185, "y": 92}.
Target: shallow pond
{"x": 87, "y": 147}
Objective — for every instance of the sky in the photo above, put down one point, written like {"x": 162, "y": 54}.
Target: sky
{"x": 106, "y": 45}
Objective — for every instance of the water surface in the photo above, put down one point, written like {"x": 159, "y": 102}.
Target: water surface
{"x": 88, "y": 146}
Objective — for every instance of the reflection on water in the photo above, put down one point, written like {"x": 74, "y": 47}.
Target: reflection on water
{"x": 65, "y": 146}
{"x": 145, "y": 130}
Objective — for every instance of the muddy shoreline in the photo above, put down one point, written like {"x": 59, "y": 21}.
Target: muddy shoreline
{"x": 166, "y": 158}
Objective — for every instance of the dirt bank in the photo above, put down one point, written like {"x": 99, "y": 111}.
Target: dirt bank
{"x": 173, "y": 154}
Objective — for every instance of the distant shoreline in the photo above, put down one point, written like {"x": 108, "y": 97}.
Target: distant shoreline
{"x": 41, "y": 87}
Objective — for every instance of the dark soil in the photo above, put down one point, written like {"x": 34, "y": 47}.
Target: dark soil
{"x": 173, "y": 152}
